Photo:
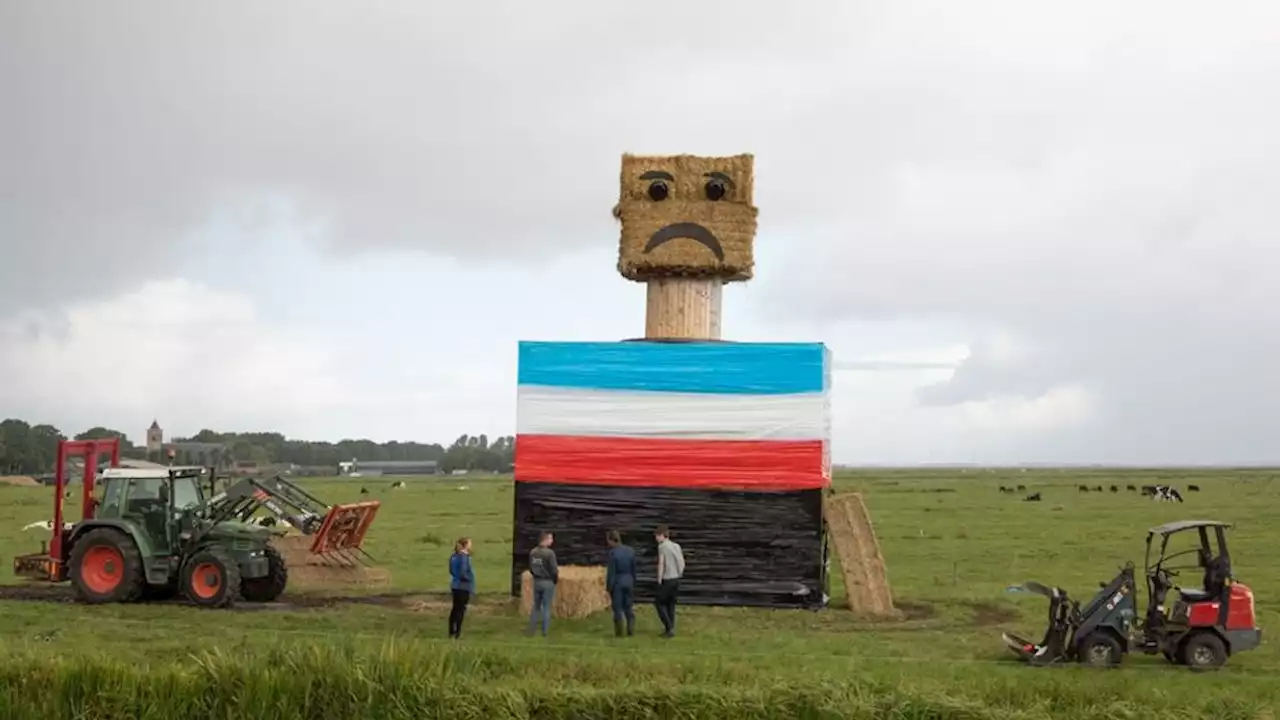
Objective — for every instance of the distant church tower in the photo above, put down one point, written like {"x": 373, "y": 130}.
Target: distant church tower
{"x": 155, "y": 440}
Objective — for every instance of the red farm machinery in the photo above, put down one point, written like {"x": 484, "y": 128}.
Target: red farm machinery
{"x": 153, "y": 533}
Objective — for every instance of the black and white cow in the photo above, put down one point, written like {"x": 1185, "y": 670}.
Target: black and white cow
{"x": 1166, "y": 493}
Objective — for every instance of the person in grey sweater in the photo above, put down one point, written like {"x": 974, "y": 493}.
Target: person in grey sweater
{"x": 670, "y": 570}
{"x": 546, "y": 573}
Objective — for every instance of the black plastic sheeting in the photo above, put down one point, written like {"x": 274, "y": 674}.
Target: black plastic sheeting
{"x": 741, "y": 548}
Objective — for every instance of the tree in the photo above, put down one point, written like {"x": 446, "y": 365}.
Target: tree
{"x": 26, "y": 449}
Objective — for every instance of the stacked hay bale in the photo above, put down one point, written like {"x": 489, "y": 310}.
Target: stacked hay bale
{"x": 727, "y": 443}
{"x": 579, "y": 594}
{"x": 688, "y": 227}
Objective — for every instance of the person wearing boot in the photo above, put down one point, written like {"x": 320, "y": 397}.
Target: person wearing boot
{"x": 620, "y": 581}
{"x": 462, "y": 581}
{"x": 670, "y": 571}
{"x": 546, "y": 574}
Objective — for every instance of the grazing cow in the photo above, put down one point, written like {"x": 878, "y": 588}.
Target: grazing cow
{"x": 1165, "y": 493}
{"x": 1115, "y": 489}
{"x": 1022, "y": 488}
{"x": 1130, "y": 488}
{"x": 1004, "y": 489}
{"x": 1148, "y": 489}
{"x": 1097, "y": 488}
{"x": 1084, "y": 488}
{"x": 1193, "y": 488}
{"x": 1033, "y": 497}
{"x": 398, "y": 484}
{"x": 364, "y": 490}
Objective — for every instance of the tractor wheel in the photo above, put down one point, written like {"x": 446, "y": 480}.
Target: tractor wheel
{"x": 1203, "y": 651}
{"x": 268, "y": 588}
{"x": 106, "y": 567}
{"x": 1100, "y": 649}
{"x": 211, "y": 578}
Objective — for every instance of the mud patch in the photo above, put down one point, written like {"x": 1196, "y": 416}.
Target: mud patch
{"x": 989, "y": 614}
{"x": 915, "y": 610}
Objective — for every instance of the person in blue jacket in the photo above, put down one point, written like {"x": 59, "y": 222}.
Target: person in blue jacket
{"x": 620, "y": 581}
{"x": 462, "y": 582}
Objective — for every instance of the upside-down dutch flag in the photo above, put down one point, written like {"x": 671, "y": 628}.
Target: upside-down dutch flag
{"x": 707, "y": 415}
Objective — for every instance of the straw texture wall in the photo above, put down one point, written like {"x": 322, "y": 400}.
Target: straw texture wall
{"x": 708, "y": 237}
{"x": 579, "y": 594}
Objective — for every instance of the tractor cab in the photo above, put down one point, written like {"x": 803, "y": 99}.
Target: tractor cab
{"x": 150, "y": 497}
{"x": 1207, "y": 554}
{"x": 1202, "y": 625}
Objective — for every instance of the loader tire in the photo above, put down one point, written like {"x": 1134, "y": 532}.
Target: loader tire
{"x": 211, "y": 578}
{"x": 106, "y": 567}
{"x": 1203, "y": 651}
{"x": 270, "y": 587}
{"x": 1100, "y": 649}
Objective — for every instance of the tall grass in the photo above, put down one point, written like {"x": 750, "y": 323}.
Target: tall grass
{"x": 327, "y": 681}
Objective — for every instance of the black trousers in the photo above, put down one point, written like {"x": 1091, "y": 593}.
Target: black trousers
{"x": 460, "y": 600}
{"x": 665, "y": 602}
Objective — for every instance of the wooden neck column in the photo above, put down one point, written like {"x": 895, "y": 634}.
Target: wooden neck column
{"x": 687, "y": 308}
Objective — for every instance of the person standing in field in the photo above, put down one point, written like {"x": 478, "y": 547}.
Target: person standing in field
{"x": 670, "y": 571}
{"x": 620, "y": 581}
{"x": 545, "y": 572}
{"x": 462, "y": 582}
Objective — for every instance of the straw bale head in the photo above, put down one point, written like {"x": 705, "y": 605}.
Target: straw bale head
{"x": 686, "y": 216}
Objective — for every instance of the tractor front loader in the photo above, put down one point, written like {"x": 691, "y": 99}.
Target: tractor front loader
{"x": 154, "y": 534}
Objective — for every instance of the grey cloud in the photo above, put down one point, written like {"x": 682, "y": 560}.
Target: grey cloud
{"x": 1095, "y": 180}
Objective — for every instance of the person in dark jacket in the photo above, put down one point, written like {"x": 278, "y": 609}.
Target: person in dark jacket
{"x": 462, "y": 582}
{"x": 620, "y": 581}
{"x": 546, "y": 574}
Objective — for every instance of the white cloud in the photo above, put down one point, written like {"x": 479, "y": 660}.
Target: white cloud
{"x": 186, "y": 354}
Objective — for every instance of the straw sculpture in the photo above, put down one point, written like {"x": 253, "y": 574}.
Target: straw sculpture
{"x": 579, "y": 594}
{"x": 686, "y": 216}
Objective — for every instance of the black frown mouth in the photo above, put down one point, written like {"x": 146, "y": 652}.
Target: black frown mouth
{"x": 693, "y": 231}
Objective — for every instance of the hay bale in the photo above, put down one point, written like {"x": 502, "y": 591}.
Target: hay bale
{"x": 19, "y": 480}
{"x": 579, "y": 594}
{"x": 730, "y": 223}
{"x": 866, "y": 582}
{"x": 308, "y": 571}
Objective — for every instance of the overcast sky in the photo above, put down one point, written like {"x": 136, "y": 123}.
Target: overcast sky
{"x": 1030, "y": 231}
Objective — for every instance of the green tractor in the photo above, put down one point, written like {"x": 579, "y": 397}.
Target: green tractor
{"x": 154, "y": 533}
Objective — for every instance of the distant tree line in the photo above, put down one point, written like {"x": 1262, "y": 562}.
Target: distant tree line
{"x": 27, "y": 449}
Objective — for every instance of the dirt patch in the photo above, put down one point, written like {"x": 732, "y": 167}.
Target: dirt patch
{"x": 19, "y": 480}
{"x": 989, "y": 614}
{"x": 915, "y": 610}
{"x": 309, "y": 571}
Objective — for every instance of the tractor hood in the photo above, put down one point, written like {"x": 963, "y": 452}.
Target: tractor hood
{"x": 240, "y": 531}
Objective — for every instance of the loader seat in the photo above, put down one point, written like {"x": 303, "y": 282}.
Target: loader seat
{"x": 1193, "y": 595}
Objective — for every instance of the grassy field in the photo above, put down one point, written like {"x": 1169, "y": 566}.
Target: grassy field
{"x": 951, "y": 540}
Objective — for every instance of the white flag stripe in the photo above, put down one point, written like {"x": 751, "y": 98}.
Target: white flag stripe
{"x": 546, "y": 410}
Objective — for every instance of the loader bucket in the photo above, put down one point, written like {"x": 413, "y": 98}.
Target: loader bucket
{"x": 342, "y": 531}
{"x": 1052, "y": 647}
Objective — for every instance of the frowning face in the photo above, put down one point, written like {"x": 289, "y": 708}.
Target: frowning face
{"x": 686, "y": 216}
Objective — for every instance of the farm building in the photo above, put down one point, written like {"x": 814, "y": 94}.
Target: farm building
{"x": 375, "y": 468}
